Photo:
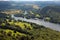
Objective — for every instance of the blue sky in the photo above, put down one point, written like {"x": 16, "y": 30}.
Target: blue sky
{"x": 29, "y": 0}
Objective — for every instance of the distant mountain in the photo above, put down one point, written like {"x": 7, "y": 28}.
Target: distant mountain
{"x": 22, "y": 5}
{"x": 51, "y": 11}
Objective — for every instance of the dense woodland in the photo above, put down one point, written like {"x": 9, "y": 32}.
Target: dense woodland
{"x": 11, "y": 29}
{"x": 52, "y": 12}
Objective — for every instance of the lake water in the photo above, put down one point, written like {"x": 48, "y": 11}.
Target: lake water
{"x": 40, "y": 22}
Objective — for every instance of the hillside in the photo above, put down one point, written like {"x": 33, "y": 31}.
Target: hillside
{"x": 21, "y": 30}
{"x": 53, "y": 12}
{"x": 13, "y": 29}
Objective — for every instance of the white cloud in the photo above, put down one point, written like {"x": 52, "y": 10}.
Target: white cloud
{"x": 29, "y": 0}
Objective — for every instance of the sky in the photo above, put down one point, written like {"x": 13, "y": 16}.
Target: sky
{"x": 29, "y": 0}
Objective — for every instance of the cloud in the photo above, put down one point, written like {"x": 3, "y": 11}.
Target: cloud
{"x": 5, "y": 0}
{"x": 29, "y": 0}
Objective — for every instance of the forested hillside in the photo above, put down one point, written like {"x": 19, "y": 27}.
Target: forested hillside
{"x": 21, "y": 30}
{"x": 53, "y": 12}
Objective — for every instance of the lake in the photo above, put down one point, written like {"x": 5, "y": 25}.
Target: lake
{"x": 40, "y": 22}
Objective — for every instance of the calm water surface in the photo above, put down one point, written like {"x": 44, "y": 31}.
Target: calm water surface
{"x": 40, "y": 22}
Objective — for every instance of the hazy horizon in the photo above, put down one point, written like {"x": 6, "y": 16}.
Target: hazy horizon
{"x": 29, "y": 0}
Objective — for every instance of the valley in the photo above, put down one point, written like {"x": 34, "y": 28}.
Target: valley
{"x": 36, "y": 20}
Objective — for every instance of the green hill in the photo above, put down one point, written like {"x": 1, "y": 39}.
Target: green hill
{"x": 53, "y": 12}
{"x": 21, "y": 30}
